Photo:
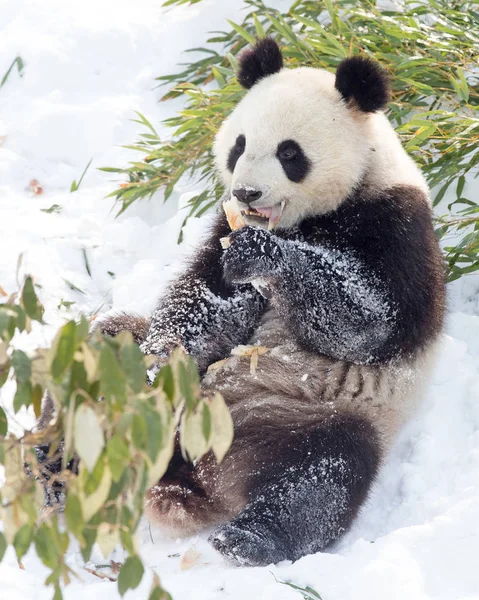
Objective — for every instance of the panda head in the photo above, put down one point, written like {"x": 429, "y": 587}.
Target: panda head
{"x": 299, "y": 142}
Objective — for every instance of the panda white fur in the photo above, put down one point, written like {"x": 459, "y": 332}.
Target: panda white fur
{"x": 355, "y": 286}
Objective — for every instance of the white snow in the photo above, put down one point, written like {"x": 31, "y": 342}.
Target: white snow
{"x": 89, "y": 65}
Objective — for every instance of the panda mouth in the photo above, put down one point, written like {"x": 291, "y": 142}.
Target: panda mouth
{"x": 266, "y": 217}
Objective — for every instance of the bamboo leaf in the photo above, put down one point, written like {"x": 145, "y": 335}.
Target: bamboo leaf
{"x": 243, "y": 33}
{"x": 88, "y": 434}
{"x": 222, "y": 427}
{"x": 131, "y": 574}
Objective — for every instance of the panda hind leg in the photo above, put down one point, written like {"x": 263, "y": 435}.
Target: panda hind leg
{"x": 185, "y": 500}
{"x": 308, "y": 498}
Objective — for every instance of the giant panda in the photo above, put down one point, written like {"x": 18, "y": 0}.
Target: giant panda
{"x": 350, "y": 308}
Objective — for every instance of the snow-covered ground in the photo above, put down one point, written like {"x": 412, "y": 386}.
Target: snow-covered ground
{"x": 89, "y": 65}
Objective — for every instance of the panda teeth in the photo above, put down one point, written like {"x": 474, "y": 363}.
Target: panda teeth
{"x": 269, "y": 214}
{"x": 275, "y": 215}
{"x": 253, "y": 213}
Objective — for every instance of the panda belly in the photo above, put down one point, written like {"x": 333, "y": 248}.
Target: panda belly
{"x": 291, "y": 385}
{"x": 310, "y": 434}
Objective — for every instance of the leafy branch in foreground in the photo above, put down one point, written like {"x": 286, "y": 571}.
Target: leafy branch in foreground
{"x": 124, "y": 442}
{"x": 430, "y": 48}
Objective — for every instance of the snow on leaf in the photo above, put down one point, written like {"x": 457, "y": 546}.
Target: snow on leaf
{"x": 88, "y": 436}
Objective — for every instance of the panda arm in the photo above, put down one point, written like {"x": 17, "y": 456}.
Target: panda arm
{"x": 332, "y": 303}
{"x": 203, "y": 313}
{"x": 328, "y": 299}
{"x": 382, "y": 298}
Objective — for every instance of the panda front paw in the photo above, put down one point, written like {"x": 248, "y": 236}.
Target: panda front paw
{"x": 252, "y": 253}
{"x": 246, "y": 547}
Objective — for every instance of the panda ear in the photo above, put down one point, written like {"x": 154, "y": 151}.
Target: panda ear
{"x": 263, "y": 59}
{"x": 366, "y": 83}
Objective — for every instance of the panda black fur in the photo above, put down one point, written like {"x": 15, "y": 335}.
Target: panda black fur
{"x": 355, "y": 282}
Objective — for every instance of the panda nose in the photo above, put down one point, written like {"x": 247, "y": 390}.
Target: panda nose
{"x": 247, "y": 195}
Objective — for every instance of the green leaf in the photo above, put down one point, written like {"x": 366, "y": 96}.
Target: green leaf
{"x": 307, "y": 592}
{"x": 166, "y": 381}
{"x": 19, "y": 64}
{"x": 132, "y": 361}
{"x": 64, "y": 346}
{"x": 220, "y": 80}
{"x": 3, "y": 546}
{"x": 4, "y": 371}
{"x": 142, "y": 119}
{"x": 74, "y": 186}
{"x": 73, "y": 287}
{"x": 6, "y": 320}
{"x": 185, "y": 386}
{"x": 97, "y": 486}
{"x": 139, "y": 432}
{"x": 441, "y": 193}
{"x": 118, "y": 457}
{"x": 423, "y": 133}
{"x": 22, "y": 366}
{"x": 130, "y": 575}
{"x": 22, "y": 540}
{"x": 206, "y": 422}
{"x": 86, "y": 261}
{"x": 46, "y": 547}
{"x": 112, "y": 378}
{"x": 37, "y": 395}
{"x": 258, "y": 26}
{"x": 243, "y": 33}
{"x": 23, "y": 395}
{"x": 74, "y": 516}
{"x": 463, "y": 85}
{"x": 158, "y": 593}
{"x": 54, "y": 208}
{"x": 3, "y": 422}
{"x": 89, "y": 535}
{"x": 32, "y": 306}
{"x": 155, "y": 432}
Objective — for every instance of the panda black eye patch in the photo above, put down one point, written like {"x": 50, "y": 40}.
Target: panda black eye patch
{"x": 294, "y": 161}
{"x": 235, "y": 152}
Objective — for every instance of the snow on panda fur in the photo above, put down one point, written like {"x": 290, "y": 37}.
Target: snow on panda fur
{"x": 355, "y": 287}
